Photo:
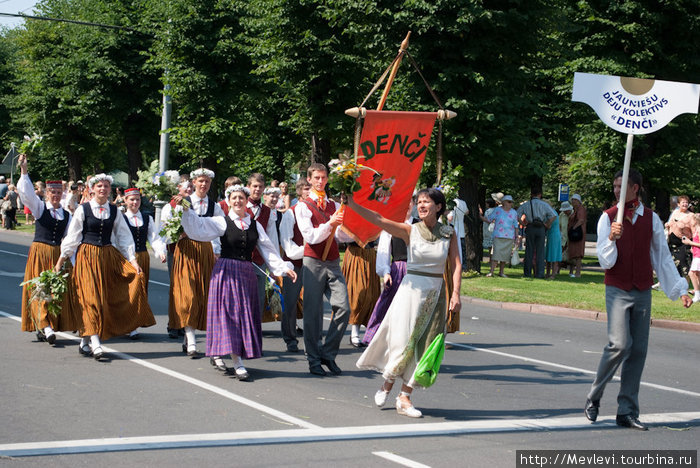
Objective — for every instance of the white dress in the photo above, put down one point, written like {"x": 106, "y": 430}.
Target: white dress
{"x": 417, "y": 313}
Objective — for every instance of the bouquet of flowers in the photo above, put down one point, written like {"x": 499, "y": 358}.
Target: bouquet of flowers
{"x": 49, "y": 287}
{"x": 159, "y": 185}
{"x": 344, "y": 173}
{"x": 30, "y": 144}
{"x": 172, "y": 227}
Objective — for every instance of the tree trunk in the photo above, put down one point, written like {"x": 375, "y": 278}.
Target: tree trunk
{"x": 320, "y": 149}
{"x": 132, "y": 142}
{"x": 469, "y": 192}
{"x": 74, "y": 162}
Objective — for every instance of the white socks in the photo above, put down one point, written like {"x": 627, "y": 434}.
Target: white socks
{"x": 190, "y": 340}
{"x": 48, "y": 331}
{"x": 696, "y": 296}
{"x": 238, "y": 364}
{"x": 355, "y": 333}
{"x": 95, "y": 342}
{"x": 83, "y": 342}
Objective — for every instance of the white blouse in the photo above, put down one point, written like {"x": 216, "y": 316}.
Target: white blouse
{"x": 208, "y": 229}
{"x": 157, "y": 243}
{"x": 291, "y": 248}
{"x": 315, "y": 235}
{"x": 120, "y": 237}
{"x": 31, "y": 200}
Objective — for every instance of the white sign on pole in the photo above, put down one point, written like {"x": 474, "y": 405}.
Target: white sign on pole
{"x": 633, "y": 105}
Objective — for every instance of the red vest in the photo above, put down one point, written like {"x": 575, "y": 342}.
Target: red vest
{"x": 632, "y": 270}
{"x": 262, "y": 218}
{"x": 319, "y": 217}
{"x": 224, "y": 206}
{"x": 297, "y": 238}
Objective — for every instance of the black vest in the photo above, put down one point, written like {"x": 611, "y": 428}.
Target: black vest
{"x": 140, "y": 234}
{"x": 237, "y": 243}
{"x": 398, "y": 250}
{"x": 50, "y": 230}
{"x": 98, "y": 231}
{"x": 210, "y": 207}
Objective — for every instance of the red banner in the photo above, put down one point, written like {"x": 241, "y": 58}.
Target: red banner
{"x": 393, "y": 144}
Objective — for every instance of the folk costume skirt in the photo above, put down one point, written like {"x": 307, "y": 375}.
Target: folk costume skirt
{"x": 144, "y": 261}
{"x": 43, "y": 257}
{"x": 233, "y": 312}
{"x": 193, "y": 263}
{"x": 397, "y": 272}
{"x": 362, "y": 281}
{"x": 112, "y": 296}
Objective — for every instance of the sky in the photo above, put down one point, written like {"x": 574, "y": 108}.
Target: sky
{"x": 15, "y": 6}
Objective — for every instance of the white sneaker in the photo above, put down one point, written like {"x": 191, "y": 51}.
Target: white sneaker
{"x": 409, "y": 411}
{"x": 696, "y": 298}
{"x": 380, "y": 397}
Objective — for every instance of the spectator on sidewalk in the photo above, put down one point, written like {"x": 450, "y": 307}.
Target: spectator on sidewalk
{"x": 577, "y": 236}
{"x": 533, "y": 214}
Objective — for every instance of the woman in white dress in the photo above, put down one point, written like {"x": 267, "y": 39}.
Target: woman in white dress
{"x": 417, "y": 314}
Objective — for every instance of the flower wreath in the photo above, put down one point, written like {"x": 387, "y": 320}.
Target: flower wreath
{"x": 98, "y": 178}
{"x": 236, "y": 188}
{"x": 201, "y": 172}
{"x": 446, "y": 231}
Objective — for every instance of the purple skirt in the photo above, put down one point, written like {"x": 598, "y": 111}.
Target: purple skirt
{"x": 398, "y": 271}
{"x": 233, "y": 311}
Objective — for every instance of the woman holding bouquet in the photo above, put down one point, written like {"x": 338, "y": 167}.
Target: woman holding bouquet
{"x": 418, "y": 312}
{"x": 193, "y": 261}
{"x": 108, "y": 280}
{"x": 51, "y": 225}
{"x": 233, "y": 312}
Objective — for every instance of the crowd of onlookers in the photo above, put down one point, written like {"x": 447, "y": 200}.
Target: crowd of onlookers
{"x": 553, "y": 238}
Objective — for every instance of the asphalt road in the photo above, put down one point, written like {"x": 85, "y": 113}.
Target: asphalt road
{"x": 512, "y": 381}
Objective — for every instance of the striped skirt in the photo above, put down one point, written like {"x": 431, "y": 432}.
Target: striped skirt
{"x": 144, "y": 261}
{"x": 111, "y": 294}
{"x": 362, "y": 281}
{"x": 398, "y": 271}
{"x": 43, "y": 257}
{"x": 189, "y": 284}
{"x": 233, "y": 312}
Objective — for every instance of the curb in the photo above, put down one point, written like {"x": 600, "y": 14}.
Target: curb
{"x": 575, "y": 313}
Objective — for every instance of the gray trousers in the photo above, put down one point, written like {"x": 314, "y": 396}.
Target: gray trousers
{"x": 321, "y": 278}
{"x": 629, "y": 314}
{"x": 534, "y": 246}
{"x": 290, "y": 295}
{"x": 262, "y": 279}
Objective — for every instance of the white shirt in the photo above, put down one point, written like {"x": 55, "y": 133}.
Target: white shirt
{"x": 316, "y": 235}
{"x": 199, "y": 206}
{"x": 120, "y": 237}
{"x": 661, "y": 261}
{"x": 383, "y": 262}
{"x": 291, "y": 248}
{"x": 157, "y": 243}
{"x": 459, "y": 212}
{"x": 207, "y": 229}
{"x": 271, "y": 229}
{"x": 31, "y": 200}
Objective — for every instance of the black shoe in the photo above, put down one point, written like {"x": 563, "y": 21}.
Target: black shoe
{"x": 300, "y": 331}
{"x": 51, "y": 339}
{"x": 591, "y": 410}
{"x": 221, "y": 367}
{"x": 292, "y": 348}
{"x": 357, "y": 343}
{"x": 627, "y": 420}
{"x": 184, "y": 349}
{"x": 194, "y": 354}
{"x": 84, "y": 350}
{"x": 40, "y": 336}
{"x": 98, "y": 353}
{"x": 316, "y": 369}
{"x": 135, "y": 336}
{"x": 172, "y": 333}
{"x": 244, "y": 377}
{"x": 332, "y": 366}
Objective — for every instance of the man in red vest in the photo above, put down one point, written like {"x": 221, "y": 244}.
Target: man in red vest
{"x": 292, "y": 242}
{"x": 317, "y": 218}
{"x": 630, "y": 252}
{"x": 267, "y": 219}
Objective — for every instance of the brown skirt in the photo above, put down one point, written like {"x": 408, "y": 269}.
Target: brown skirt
{"x": 43, "y": 257}
{"x": 144, "y": 261}
{"x": 111, "y": 294}
{"x": 359, "y": 270}
{"x": 193, "y": 263}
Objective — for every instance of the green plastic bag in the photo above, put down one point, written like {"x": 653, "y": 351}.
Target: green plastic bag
{"x": 429, "y": 365}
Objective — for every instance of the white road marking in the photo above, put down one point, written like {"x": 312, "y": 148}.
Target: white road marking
{"x": 159, "y": 283}
{"x": 185, "y": 378}
{"x": 574, "y": 369}
{"x": 328, "y": 434}
{"x": 12, "y": 274}
{"x": 14, "y": 253}
{"x": 400, "y": 460}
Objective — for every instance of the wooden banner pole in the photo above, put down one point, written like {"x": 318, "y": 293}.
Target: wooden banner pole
{"x": 392, "y": 75}
{"x": 625, "y": 178}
